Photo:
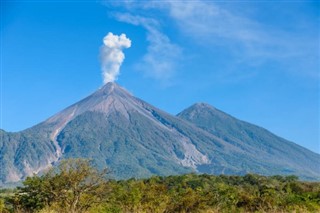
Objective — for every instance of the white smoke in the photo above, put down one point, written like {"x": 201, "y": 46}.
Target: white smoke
{"x": 112, "y": 55}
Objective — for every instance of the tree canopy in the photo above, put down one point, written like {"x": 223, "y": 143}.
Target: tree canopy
{"x": 73, "y": 186}
{"x": 77, "y": 187}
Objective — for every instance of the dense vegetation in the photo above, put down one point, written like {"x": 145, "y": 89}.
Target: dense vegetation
{"x": 77, "y": 187}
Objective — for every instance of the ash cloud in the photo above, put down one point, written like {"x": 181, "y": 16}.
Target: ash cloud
{"x": 112, "y": 55}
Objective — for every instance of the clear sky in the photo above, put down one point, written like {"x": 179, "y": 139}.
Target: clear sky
{"x": 255, "y": 60}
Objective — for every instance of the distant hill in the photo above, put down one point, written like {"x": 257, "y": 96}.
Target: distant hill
{"x": 135, "y": 139}
{"x": 282, "y": 156}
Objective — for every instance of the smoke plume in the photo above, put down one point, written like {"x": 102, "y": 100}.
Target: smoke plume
{"x": 112, "y": 55}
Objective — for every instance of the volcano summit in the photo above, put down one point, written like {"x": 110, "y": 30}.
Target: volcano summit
{"x": 135, "y": 139}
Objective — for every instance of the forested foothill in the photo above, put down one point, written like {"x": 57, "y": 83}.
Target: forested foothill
{"x": 75, "y": 186}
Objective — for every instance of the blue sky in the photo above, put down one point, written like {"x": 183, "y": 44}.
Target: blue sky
{"x": 255, "y": 60}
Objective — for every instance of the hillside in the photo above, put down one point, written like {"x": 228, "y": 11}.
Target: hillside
{"x": 254, "y": 141}
{"x": 135, "y": 139}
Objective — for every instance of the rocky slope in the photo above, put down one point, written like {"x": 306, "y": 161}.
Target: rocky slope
{"x": 255, "y": 141}
{"x": 135, "y": 139}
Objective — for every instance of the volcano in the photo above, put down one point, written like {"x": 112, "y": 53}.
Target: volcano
{"x": 135, "y": 140}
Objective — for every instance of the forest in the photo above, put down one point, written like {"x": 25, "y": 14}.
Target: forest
{"x": 75, "y": 186}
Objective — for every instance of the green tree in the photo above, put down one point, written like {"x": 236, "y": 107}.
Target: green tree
{"x": 73, "y": 186}
{"x": 33, "y": 196}
{"x": 2, "y": 206}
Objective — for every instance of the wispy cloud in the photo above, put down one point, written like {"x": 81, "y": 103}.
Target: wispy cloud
{"x": 211, "y": 25}
{"x": 217, "y": 25}
{"x": 162, "y": 55}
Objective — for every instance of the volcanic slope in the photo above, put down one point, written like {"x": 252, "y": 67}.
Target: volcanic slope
{"x": 134, "y": 139}
{"x": 282, "y": 156}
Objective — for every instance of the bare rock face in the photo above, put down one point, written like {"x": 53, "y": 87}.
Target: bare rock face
{"x": 135, "y": 139}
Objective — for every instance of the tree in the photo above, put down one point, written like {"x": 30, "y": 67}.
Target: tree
{"x": 33, "y": 196}
{"x": 2, "y": 206}
{"x": 73, "y": 186}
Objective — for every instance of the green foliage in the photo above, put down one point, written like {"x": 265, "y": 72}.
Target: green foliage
{"x": 57, "y": 191}
{"x": 2, "y": 205}
{"x": 206, "y": 193}
{"x": 73, "y": 186}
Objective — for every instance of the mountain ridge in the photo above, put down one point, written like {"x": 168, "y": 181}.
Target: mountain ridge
{"x": 135, "y": 139}
{"x": 212, "y": 120}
